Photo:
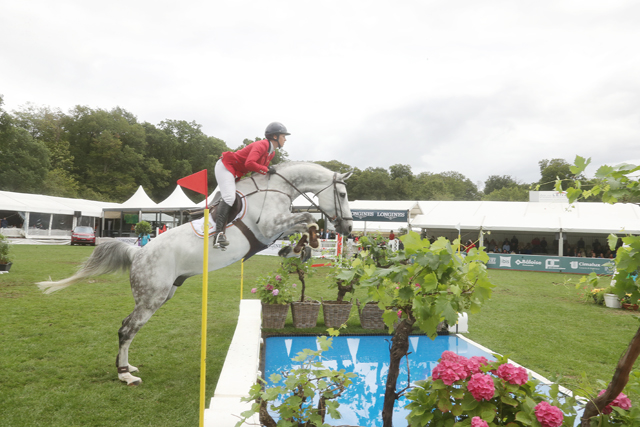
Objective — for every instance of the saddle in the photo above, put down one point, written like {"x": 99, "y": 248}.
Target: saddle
{"x": 234, "y": 212}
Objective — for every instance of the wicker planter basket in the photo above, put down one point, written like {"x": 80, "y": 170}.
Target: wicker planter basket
{"x": 371, "y": 316}
{"x": 274, "y": 315}
{"x": 305, "y": 314}
{"x": 336, "y": 313}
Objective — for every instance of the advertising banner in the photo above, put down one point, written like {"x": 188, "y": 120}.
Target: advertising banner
{"x": 379, "y": 215}
{"x": 551, "y": 264}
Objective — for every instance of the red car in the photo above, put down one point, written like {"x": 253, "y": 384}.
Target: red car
{"x": 83, "y": 236}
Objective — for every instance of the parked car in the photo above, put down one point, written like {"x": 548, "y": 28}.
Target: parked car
{"x": 83, "y": 236}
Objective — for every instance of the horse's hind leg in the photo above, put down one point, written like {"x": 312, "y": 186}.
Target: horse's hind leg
{"x": 130, "y": 327}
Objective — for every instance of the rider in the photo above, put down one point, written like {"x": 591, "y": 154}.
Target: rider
{"x": 255, "y": 157}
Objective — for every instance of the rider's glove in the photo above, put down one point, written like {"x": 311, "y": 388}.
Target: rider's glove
{"x": 272, "y": 170}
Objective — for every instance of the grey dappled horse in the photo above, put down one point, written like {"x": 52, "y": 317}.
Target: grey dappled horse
{"x": 160, "y": 267}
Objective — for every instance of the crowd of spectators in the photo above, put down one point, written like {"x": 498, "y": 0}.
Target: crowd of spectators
{"x": 538, "y": 246}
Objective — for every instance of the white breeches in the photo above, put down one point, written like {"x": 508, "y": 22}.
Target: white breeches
{"x": 226, "y": 182}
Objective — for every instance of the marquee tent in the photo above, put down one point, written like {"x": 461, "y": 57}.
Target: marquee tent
{"x": 558, "y": 221}
{"x": 40, "y": 216}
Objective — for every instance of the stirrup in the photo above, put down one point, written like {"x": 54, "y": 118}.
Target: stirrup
{"x": 220, "y": 241}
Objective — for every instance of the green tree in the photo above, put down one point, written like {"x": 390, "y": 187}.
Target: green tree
{"x": 336, "y": 166}
{"x": 23, "y": 161}
{"x": 46, "y": 126}
{"x": 496, "y": 182}
{"x": 553, "y": 169}
{"x": 508, "y": 194}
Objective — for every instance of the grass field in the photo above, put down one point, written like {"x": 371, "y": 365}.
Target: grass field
{"x": 57, "y": 352}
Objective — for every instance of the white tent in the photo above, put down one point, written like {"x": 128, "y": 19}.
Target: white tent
{"x": 600, "y": 218}
{"x": 177, "y": 201}
{"x": 47, "y": 216}
{"x": 139, "y": 201}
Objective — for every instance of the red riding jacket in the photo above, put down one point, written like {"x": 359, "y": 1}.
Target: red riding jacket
{"x": 254, "y": 157}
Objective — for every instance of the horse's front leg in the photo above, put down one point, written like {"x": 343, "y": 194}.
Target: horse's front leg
{"x": 283, "y": 222}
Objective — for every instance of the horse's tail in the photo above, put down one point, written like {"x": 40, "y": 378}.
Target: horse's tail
{"x": 108, "y": 257}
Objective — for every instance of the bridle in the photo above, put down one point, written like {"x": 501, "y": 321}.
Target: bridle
{"x": 336, "y": 196}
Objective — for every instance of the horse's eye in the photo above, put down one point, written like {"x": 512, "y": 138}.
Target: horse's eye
{"x": 343, "y": 195}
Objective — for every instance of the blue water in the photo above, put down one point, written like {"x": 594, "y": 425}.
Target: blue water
{"x": 368, "y": 357}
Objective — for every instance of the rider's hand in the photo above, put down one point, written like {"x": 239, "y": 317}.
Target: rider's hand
{"x": 272, "y": 170}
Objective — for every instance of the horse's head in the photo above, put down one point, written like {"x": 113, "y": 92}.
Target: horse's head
{"x": 333, "y": 199}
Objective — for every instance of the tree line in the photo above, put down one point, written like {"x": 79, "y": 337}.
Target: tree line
{"x": 106, "y": 154}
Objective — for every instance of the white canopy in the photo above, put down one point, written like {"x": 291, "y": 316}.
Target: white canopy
{"x": 601, "y": 218}
{"x": 25, "y": 202}
{"x": 139, "y": 201}
{"x": 177, "y": 200}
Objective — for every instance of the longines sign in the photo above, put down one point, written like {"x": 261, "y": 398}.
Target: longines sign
{"x": 551, "y": 264}
{"x": 378, "y": 215}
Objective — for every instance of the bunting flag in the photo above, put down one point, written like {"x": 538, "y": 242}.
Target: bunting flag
{"x": 196, "y": 182}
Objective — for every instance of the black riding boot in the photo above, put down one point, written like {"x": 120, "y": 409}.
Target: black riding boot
{"x": 221, "y": 222}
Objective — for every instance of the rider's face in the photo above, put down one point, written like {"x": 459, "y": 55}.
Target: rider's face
{"x": 281, "y": 140}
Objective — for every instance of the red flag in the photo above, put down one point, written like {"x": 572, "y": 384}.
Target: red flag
{"x": 196, "y": 182}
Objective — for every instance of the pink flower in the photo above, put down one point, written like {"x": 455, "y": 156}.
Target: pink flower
{"x": 275, "y": 292}
{"x": 513, "y": 374}
{"x": 269, "y": 287}
{"x": 473, "y": 365}
{"x": 399, "y": 314}
{"x": 254, "y": 290}
{"x": 548, "y": 415}
{"x": 418, "y": 286}
{"x": 450, "y": 355}
{"x": 294, "y": 285}
{"x": 449, "y": 372}
{"x": 622, "y": 402}
{"x": 278, "y": 277}
{"x": 478, "y": 422}
{"x": 481, "y": 387}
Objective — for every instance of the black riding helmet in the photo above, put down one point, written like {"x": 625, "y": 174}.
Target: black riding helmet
{"x": 275, "y": 128}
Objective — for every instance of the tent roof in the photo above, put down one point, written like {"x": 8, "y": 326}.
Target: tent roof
{"x": 139, "y": 200}
{"x": 25, "y": 202}
{"x": 530, "y": 216}
{"x": 177, "y": 200}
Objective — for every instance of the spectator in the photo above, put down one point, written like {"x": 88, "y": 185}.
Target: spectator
{"x": 391, "y": 235}
{"x": 580, "y": 244}
{"x": 514, "y": 243}
{"x": 506, "y": 246}
{"x": 4, "y": 223}
{"x": 543, "y": 245}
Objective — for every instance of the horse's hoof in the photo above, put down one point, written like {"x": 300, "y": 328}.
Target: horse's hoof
{"x": 129, "y": 379}
{"x": 313, "y": 236}
{"x": 132, "y": 368}
{"x": 306, "y": 254}
{"x": 301, "y": 243}
{"x": 284, "y": 251}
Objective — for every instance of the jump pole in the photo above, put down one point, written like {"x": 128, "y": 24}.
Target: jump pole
{"x": 205, "y": 293}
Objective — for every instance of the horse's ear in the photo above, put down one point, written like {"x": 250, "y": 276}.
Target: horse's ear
{"x": 346, "y": 175}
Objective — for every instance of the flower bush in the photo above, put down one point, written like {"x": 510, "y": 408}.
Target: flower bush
{"x": 275, "y": 288}
{"x": 474, "y": 392}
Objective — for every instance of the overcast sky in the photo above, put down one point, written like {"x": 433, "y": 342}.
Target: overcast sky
{"x": 480, "y": 87}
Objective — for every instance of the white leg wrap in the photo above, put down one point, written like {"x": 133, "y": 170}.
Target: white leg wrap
{"x": 129, "y": 379}
{"x": 132, "y": 368}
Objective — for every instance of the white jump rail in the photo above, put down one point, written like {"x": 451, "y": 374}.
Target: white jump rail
{"x": 240, "y": 370}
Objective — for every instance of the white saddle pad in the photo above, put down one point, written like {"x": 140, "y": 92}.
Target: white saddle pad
{"x": 198, "y": 224}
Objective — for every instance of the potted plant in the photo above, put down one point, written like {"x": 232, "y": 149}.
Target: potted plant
{"x": 304, "y": 312}
{"x": 5, "y": 258}
{"x": 345, "y": 277}
{"x": 275, "y": 293}
{"x": 628, "y": 304}
{"x": 302, "y": 396}
{"x": 611, "y": 300}
{"x": 373, "y": 254}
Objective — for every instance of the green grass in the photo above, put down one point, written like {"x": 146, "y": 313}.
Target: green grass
{"x": 57, "y": 352}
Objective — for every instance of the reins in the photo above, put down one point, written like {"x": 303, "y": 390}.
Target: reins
{"x": 336, "y": 197}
